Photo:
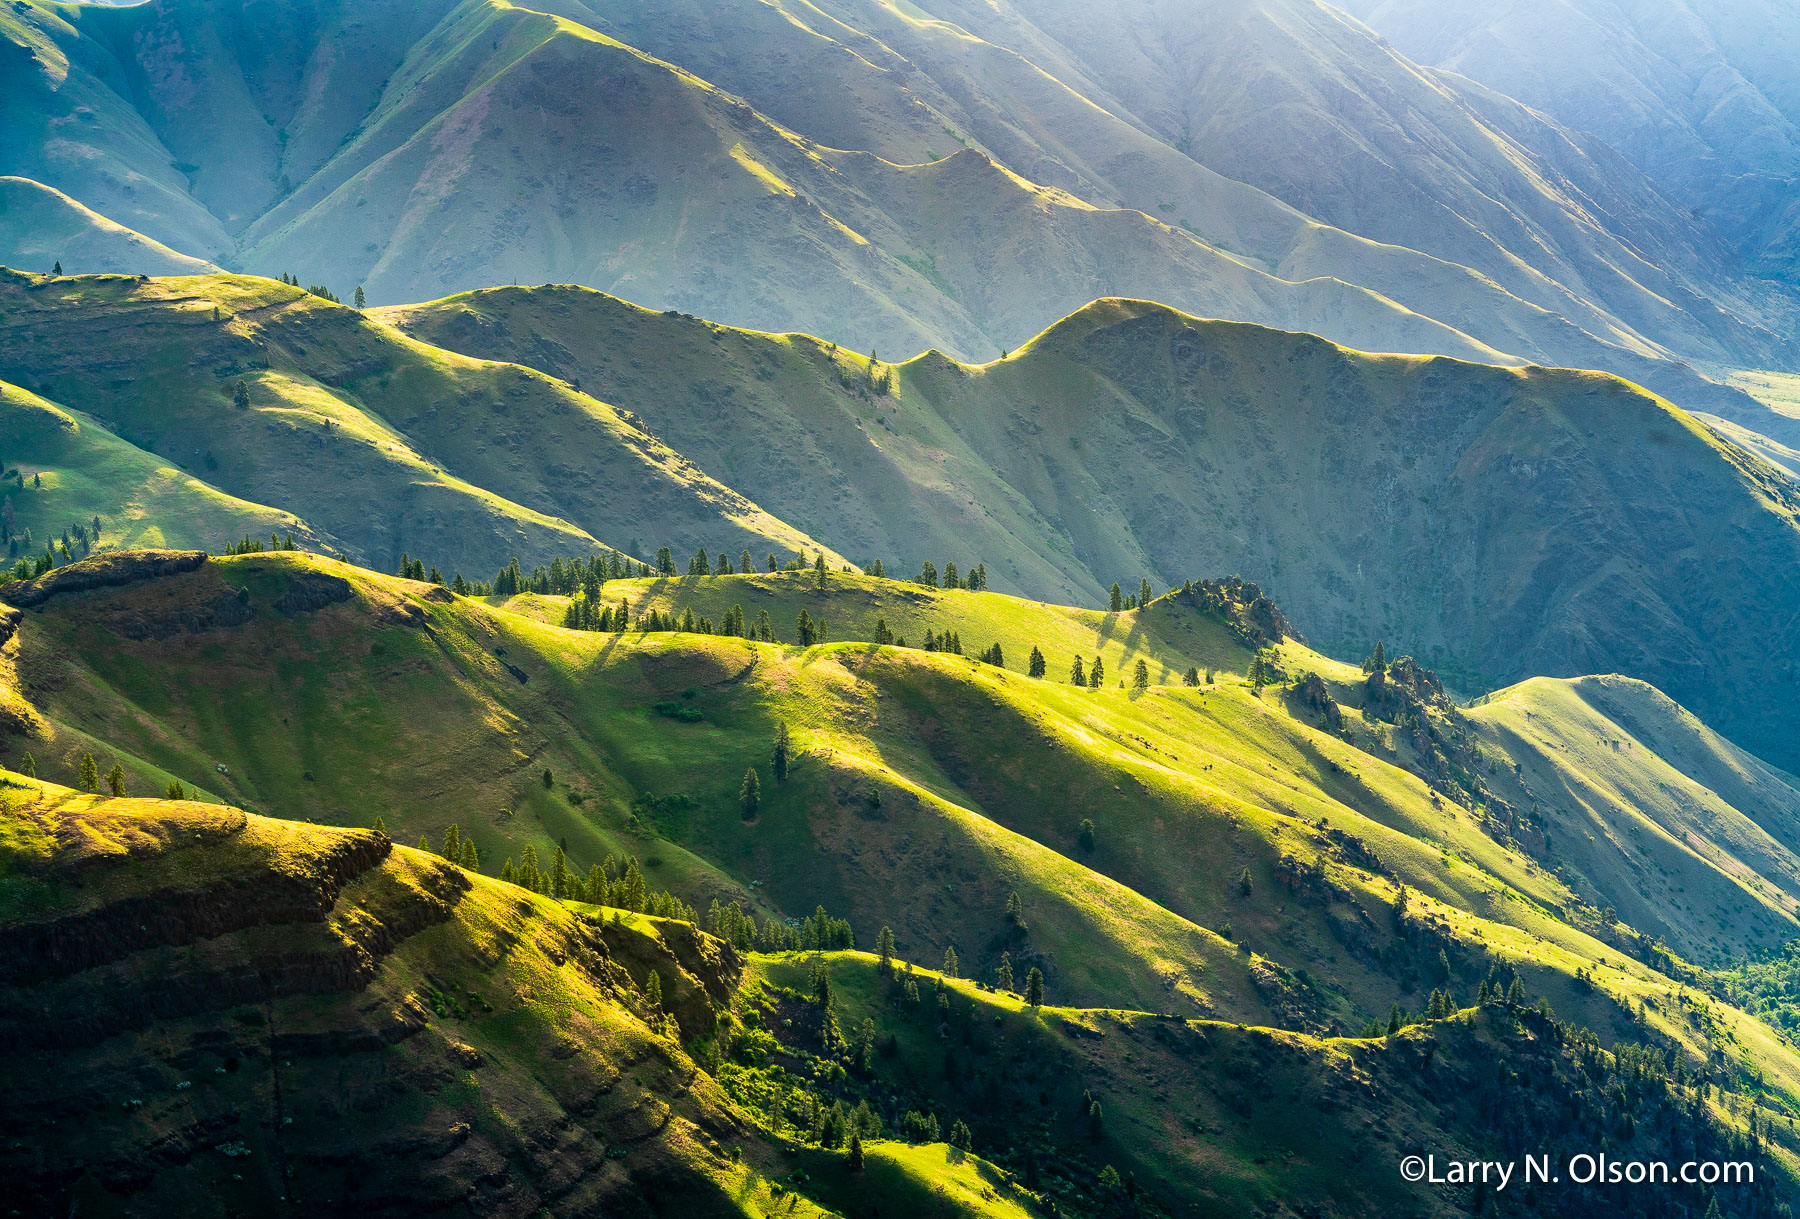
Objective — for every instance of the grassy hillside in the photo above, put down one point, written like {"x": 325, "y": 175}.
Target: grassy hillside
{"x": 1505, "y": 522}
{"x": 1214, "y": 1117}
{"x": 220, "y": 1012}
{"x": 322, "y": 1019}
{"x": 1250, "y": 860}
{"x": 1330, "y": 136}
{"x": 1629, "y": 784}
{"x": 381, "y": 444}
{"x": 1242, "y": 862}
{"x": 41, "y": 227}
{"x": 71, "y": 470}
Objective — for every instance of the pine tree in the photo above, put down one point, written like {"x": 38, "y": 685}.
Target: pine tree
{"x": 750, "y": 794}
{"x": 1393, "y": 1024}
{"x": 1034, "y": 987}
{"x": 175, "y": 791}
{"x": 783, "y": 753}
{"x": 452, "y": 843}
{"x": 90, "y": 774}
{"x": 950, "y": 964}
{"x": 57, "y": 269}
{"x": 559, "y": 873}
{"x": 854, "y": 1161}
{"x": 1086, "y": 836}
{"x": 1003, "y": 978}
{"x": 115, "y": 780}
{"x": 1116, "y": 602}
{"x": 884, "y": 948}
{"x": 1146, "y": 594}
{"x": 471, "y": 858}
{"x": 1097, "y": 674}
{"x": 1191, "y": 677}
{"x": 1095, "y": 1121}
{"x": 1140, "y": 677}
{"x": 1076, "y": 676}
{"x": 634, "y": 889}
{"x": 653, "y": 991}
{"x": 1245, "y": 883}
{"x": 819, "y": 569}
{"x": 1035, "y": 666}
{"x": 28, "y": 766}
{"x": 358, "y": 299}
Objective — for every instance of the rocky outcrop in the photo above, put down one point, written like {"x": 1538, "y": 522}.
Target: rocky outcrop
{"x": 226, "y": 608}
{"x": 312, "y": 590}
{"x": 34, "y": 952}
{"x": 109, "y": 570}
{"x": 698, "y": 971}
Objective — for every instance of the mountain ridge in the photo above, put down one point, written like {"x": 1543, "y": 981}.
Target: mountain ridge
{"x": 832, "y": 248}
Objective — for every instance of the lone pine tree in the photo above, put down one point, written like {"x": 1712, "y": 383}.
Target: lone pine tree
{"x": 778, "y": 760}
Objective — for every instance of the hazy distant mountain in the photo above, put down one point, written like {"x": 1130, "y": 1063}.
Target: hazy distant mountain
{"x": 423, "y": 148}
{"x": 1702, "y": 95}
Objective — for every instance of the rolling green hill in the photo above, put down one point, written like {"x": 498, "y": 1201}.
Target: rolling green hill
{"x": 920, "y": 773}
{"x": 1628, "y": 783}
{"x": 321, "y": 1019}
{"x": 1253, "y": 861}
{"x": 40, "y": 226}
{"x": 71, "y": 471}
{"x": 380, "y": 444}
{"x": 1507, "y": 523}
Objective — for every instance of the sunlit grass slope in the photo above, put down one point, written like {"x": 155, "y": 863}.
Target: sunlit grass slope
{"x": 1651, "y": 813}
{"x": 1243, "y": 1118}
{"x": 72, "y": 470}
{"x": 1243, "y": 862}
{"x": 41, "y": 227}
{"x": 1373, "y": 496}
{"x": 381, "y": 443}
{"x": 213, "y": 1008}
